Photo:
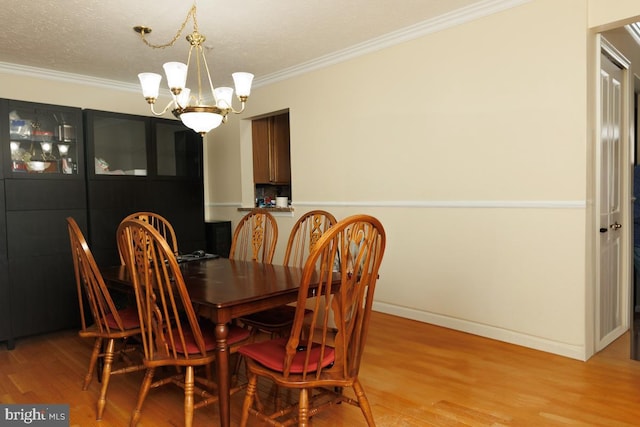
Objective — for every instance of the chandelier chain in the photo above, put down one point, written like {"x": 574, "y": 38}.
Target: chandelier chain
{"x": 191, "y": 14}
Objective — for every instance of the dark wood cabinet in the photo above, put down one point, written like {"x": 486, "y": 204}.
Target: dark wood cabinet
{"x": 37, "y": 284}
{"x": 5, "y": 308}
{"x": 139, "y": 163}
{"x": 129, "y": 163}
{"x": 218, "y": 235}
{"x": 271, "y": 152}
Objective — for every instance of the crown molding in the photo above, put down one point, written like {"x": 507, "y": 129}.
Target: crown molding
{"x": 61, "y": 76}
{"x": 448, "y": 20}
{"x": 439, "y": 23}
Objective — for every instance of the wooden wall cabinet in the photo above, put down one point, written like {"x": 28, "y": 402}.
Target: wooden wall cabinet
{"x": 271, "y": 153}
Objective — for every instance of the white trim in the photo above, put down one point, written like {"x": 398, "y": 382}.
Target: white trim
{"x": 487, "y": 331}
{"x": 466, "y": 204}
{"x": 43, "y": 73}
{"x": 634, "y": 31}
{"x": 448, "y": 204}
{"x": 439, "y": 23}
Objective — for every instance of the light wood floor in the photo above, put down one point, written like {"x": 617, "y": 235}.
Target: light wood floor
{"x": 415, "y": 374}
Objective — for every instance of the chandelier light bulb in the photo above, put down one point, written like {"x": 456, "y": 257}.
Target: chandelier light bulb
{"x": 46, "y": 147}
{"x": 63, "y": 149}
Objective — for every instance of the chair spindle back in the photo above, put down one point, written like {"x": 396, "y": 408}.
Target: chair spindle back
{"x": 305, "y": 235}
{"x": 167, "y": 318}
{"x": 91, "y": 286}
{"x": 342, "y": 307}
{"x": 255, "y": 237}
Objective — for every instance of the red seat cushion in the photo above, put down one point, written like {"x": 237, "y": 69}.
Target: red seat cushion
{"x": 236, "y": 334}
{"x": 271, "y": 354}
{"x": 129, "y": 317}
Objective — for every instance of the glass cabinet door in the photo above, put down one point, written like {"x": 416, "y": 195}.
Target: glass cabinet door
{"x": 43, "y": 140}
{"x": 117, "y": 144}
{"x": 178, "y": 150}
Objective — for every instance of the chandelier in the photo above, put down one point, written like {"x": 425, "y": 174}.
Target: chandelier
{"x": 192, "y": 109}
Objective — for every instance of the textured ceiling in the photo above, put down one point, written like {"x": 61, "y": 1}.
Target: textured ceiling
{"x": 95, "y": 38}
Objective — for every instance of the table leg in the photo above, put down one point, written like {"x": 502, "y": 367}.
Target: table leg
{"x": 222, "y": 371}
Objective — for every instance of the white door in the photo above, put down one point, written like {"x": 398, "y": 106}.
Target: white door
{"x": 612, "y": 285}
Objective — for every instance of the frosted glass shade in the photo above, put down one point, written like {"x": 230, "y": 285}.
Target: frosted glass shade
{"x": 224, "y": 97}
{"x": 201, "y": 122}
{"x": 176, "y": 73}
{"x": 183, "y": 97}
{"x": 150, "y": 83}
{"x": 242, "y": 81}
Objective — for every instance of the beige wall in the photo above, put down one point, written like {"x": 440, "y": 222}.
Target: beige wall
{"x": 603, "y": 14}
{"x": 470, "y": 144}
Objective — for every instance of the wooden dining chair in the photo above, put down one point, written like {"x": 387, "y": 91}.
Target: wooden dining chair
{"x": 255, "y": 237}
{"x": 161, "y": 224}
{"x": 320, "y": 365}
{"x": 304, "y": 235}
{"x": 172, "y": 334}
{"x": 108, "y": 322}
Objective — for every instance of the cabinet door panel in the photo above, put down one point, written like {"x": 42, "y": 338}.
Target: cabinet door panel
{"x": 261, "y": 151}
{"x": 27, "y": 194}
{"x": 130, "y": 194}
{"x": 117, "y": 144}
{"x": 181, "y": 202}
{"x": 45, "y": 136}
{"x": 178, "y": 150}
{"x": 43, "y": 299}
{"x": 281, "y": 158}
{"x": 5, "y": 308}
{"x": 36, "y": 233}
{"x": 3, "y": 224}
{"x": 271, "y": 155}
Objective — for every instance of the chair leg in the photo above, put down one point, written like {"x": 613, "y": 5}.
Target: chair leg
{"x": 188, "y": 397}
{"x": 97, "y": 346}
{"x": 235, "y": 375}
{"x": 252, "y": 388}
{"x": 106, "y": 375}
{"x": 144, "y": 390}
{"x": 364, "y": 403}
{"x": 303, "y": 408}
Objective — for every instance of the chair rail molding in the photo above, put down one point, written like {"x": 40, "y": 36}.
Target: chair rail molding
{"x": 449, "y": 204}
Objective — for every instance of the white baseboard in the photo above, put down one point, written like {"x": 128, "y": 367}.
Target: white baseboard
{"x": 487, "y": 331}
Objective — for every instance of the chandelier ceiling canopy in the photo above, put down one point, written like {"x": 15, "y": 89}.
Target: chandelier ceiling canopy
{"x": 191, "y": 108}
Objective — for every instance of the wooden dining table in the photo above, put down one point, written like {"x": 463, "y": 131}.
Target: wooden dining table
{"x": 223, "y": 290}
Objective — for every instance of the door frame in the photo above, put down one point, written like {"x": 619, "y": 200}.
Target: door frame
{"x": 626, "y": 174}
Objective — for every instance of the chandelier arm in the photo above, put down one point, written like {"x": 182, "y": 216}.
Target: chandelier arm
{"x": 234, "y": 111}
{"x": 169, "y": 105}
{"x": 206, "y": 67}
{"x": 188, "y": 64}
{"x": 199, "y": 53}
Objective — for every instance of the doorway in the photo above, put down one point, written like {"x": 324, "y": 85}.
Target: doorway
{"x": 614, "y": 221}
